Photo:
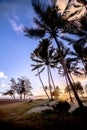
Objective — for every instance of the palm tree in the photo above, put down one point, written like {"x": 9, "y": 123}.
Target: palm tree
{"x": 51, "y": 22}
{"x": 71, "y": 64}
{"x": 56, "y": 92}
{"x": 43, "y": 55}
{"x": 78, "y": 88}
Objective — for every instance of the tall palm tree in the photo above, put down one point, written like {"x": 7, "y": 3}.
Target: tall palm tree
{"x": 43, "y": 56}
{"x": 71, "y": 64}
{"x": 51, "y": 22}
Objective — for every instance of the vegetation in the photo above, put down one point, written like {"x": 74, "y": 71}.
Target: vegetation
{"x": 50, "y": 24}
{"x": 16, "y": 116}
{"x": 78, "y": 87}
{"x": 22, "y": 87}
{"x": 56, "y": 50}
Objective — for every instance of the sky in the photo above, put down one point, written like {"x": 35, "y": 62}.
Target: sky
{"x": 15, "y": 47}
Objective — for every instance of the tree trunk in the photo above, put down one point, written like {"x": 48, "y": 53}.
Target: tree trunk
{"x": 71, "y": 99}
{"x": 75, "y": 93}
{"x": 43, "y": 86}
{"x": 66, "y": 73}
{"x": 49, "y": 82}
{"x": 52, "y": 80}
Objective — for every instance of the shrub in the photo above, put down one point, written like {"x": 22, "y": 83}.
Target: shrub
{"x": 80, "y": 111}
{"x": 62, "y": 106}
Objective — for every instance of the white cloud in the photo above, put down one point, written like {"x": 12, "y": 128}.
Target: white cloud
{"x": 2, "y": 85}
{"x": 16, "y": 28}
{"x": 2, "y": 75}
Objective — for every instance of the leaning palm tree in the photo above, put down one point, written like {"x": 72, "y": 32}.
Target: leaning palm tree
{"x": 43, "y": 56}
{"x": 71, "y": 64}
{"x": 51, "y": 21}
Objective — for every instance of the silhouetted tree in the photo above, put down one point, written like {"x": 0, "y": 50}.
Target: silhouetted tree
{"x": 43, "y": 55}
{"x": 56, "y": 92}
{"x": 13, "y": 86}
{"x": 78, "y": 87}
{"x": 24, "y": 87}
{"x": 9, "y": 92}
{"x": 51, "y": 21}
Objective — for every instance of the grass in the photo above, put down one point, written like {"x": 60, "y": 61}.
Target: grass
{"x": 15, "y": 116}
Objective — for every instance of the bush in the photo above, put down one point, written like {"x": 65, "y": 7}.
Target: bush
{"x": 80, "y": 111}
{"x": 62, "y": 106}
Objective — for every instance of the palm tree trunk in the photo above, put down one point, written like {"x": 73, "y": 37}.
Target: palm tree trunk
{"x": 43, "y": 86}
{"x": 69, "y": 90}
{"x": 66, "y": 73}
{"x": 52, "y": 80}
{"x": 49, "y": 82}
{"x": 75, "y": 93}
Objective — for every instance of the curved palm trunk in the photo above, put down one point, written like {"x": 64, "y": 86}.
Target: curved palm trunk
{"x": 75, "y": 93}
{"x": 67, "y": 75}
{"x": 71, "y": 99}
{"x": 49, "y": 82}
{"x": 52, "y": 79}
{"x": 43, "y": 86}
{"x": 71, "y": 78}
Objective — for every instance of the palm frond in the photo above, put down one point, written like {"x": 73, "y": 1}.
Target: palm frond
{"x": 39, "y": 8}
{"x": 67, "y": 9}
{"x": 34, "y": 33}
{"x": 39, "y": 24}
{"x": 84, "y": 2}
{"x": 73, "y": 14}
{"x": 76, "y": 6}
{"x": 40, "y": 71}
{"x": 36, "y": 67}
{"x": 71, "y": 59}
{"x": 70, "y": 40}
{"x": 36, "y": 60}
{"x": 78, "y": 73}
{"x": 73, "y": 53}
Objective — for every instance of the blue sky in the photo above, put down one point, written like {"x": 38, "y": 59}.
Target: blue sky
{"x": 15, "y": 48}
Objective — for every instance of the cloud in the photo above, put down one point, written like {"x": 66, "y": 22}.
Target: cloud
{"x": 2, "y": 75}
{"x": 16, "y": 28}
{"x": 2, "y": 85}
